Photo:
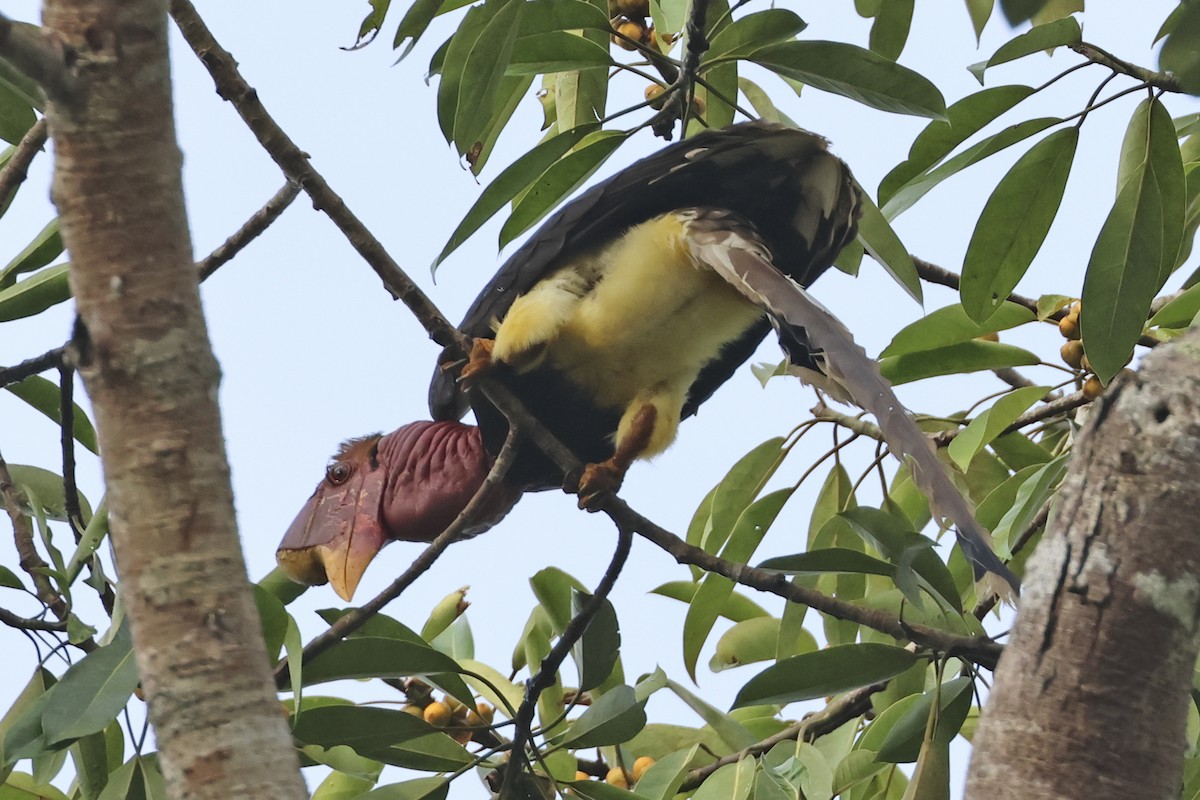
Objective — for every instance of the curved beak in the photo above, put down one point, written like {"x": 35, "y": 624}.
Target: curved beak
{"x": 336, "y": 534}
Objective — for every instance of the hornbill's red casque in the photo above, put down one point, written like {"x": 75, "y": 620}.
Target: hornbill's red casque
{"x": 607, "y": 328}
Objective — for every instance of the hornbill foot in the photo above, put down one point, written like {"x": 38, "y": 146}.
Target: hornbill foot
{"x": 597, "y": 483}
{"x": 479, "y": 363}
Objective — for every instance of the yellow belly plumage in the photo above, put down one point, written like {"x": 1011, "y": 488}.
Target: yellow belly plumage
{"x": 632, "y": 324}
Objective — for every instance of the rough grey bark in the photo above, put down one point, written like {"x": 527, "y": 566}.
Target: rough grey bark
{"x": 1091, "y": 694}
{"x": 143, "y": 351}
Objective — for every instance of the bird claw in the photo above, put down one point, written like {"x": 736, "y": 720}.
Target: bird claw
{"x": 597, "y": 483}
{"x": 479, "y": 363}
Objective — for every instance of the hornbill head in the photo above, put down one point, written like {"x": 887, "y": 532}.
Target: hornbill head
{"x": 407, "y": 485}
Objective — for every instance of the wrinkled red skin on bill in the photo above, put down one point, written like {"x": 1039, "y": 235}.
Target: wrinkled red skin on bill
{"x": 408, "y": 485}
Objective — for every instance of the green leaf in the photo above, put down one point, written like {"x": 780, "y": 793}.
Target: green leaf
{"x": 751, "y": 641}
{"x": 950, "y": 325}
{"x": 1136, "y": 248}
{"x": 825, "y": 672}
{"x": 44, "y": 248}
{"x": 914, "y": 189}
{"x": 21, "y": 786}
{"x": 436, "y": 787}
{"x": 1180, "y": 53}
{"x": 964, "y": 119}
{"x": 992, "y": 422}
{"x": 829, "y": 560}
{"x": 662, "y": 781}
{"x": 509, "y": 183}
{"x": 737, "y": 490}
{"x": 737, "y": 608}
{"x": 882, "y": 244}
{"x": 1180, "y": 312}
{"x": 761, "y": 102}
{"x": 612, "y": 719}
{"x": 598, "y": 649}
{"x": 46, "y": 288}
{"x": 49, "y": 489}
{"x": 1032, "y": 495}
{"x": 91, "y": 693}
{"x": 413, "y": 24}
{"x": 542, "y": 16}
{"x": 907, "y": 549}
{"x": 554, "y": 589}
{"x": 9, "y": 579}
{"x": 1043, "y": 37}
{"x": 44, "y": 395}
{"x": 475, "y": 60}
{"x": 274, "y": 618}
{"x": 902, "y": 745}
{"x": 555, "y": 51}
{"x": 559, "y": 180}
{"x": 973, "y": 356}
{"x": 746, "y": 35}
{"x": 732, "y": 733}
{"x": 981, "y": 12}
{"x": 855, "y": 73}
{"x": 365, "y": 729}
{"x": 378, "y": 657}
{"x": 730, "y": 782}
{"x": 889, "y": 32}
{"x": 714, "y": 589}
{"x": 16, "y": 114}
{"x": 1014, "y": 223}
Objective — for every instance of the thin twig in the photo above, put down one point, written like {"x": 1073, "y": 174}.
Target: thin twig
{"x": 1160, "y": 80}
{"x": 840, "y": 710}
{"x": 249, "y": 231}
{"x": 66, "y": 414}
{"x": 355, "y": 619}
{"x": 17, "y": 168}
{"x": 51, "y": 359}
{"x": 41, "y": 56}
{"x": 27, "y": 624}
{"x": 548, "y": 670}
{"x": 296, "y": 167}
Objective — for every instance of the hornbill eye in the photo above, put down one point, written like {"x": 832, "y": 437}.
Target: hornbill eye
{"x": 338, "y": 473}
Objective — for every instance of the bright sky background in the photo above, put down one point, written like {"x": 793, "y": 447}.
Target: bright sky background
{"x": 313, "y": 350}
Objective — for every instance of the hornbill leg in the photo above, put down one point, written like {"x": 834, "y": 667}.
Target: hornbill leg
{"x": 599, "y": 480}
{"x": 479, "y": 363}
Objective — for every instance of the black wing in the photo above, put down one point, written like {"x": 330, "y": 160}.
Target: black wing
{"x": 777, "y": 178}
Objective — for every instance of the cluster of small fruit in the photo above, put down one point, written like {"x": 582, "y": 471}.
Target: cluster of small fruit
{"x": 621, "y": 778}
{"x": 460, "y": 722}
{"x": 629, "y": 24}
{"x": 1072, "y": 352}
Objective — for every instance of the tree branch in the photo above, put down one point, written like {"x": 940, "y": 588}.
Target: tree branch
{"x": 295, "y": 165}
{"x": 249, "y": 231}
{"x": 1159, "y": 80}
{"x": 41, "y": 56}
{"x": 51, "y": 359}
{"x": 17, "y": 168}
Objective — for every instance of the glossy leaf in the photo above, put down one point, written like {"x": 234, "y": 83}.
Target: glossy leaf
{"x": 951, "y": 325}
{"x": 363, "y": 728}
{"x": 91, "y": 693}
{"x": 612, "y": 719}
{"x": 829, "y": 560}
{"x": 1033, "y": 493}
{"x": 559, "y": 180}
{"x": 597, "y": 650}
{"x": 902, "y": 745}
{"x": 541, "y": 16}
{"x": 274, "y": 618}
{"x": 1014, "y": 223}
{"x": 1180, "y": 53}
{"x": 737, "y": 607}
{"x": 762, "y": 104}
{"x": 889, "y": 32}
{"x": 750, "y": 33}
{"x": 436, "y": 787}
{"x": 752, "y": 641}
{"x": 662, "y": 781}
{"x": 737, "y": 490}
{"x": 44, "y": 395}
{"x": 915, "y": 188}
{"x": 377, "y": 657}
{"x": 825, "y": 672}
{"x": 882, "y": 244}
{"x": 964, "y": 119}
{"x": 44, "y": 248}
{"x": 555, "y": 51}
{"x": 981, "y": 12}
{"x": 1137, "y": 244}
{"x": 992, "y": 422}
{"x": 973, "y": 356}
{"x": 730, "y": 782}
{"x": 413, "y": 24}
{"x": 906, "y": 549}
{"x": 45, "y": 288}
{"x": 732, "y": 733}
{"x": 1180, "y": 312}
{"x": 16, "y": 114}
{"x": 855, "y": 73}
{"x": 1042, "y": 37}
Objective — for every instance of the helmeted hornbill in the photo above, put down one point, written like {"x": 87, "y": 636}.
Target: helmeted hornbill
{"x": 607, "y": 327}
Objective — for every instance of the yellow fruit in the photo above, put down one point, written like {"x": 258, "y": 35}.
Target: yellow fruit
{"x": 655, "y": 95}
{"x": 1092, "y": 388}
{"x": 437, "y": 714}
{"x": 699, "y": 106}
{"x": 580, "y": 775}
{"x": 640, "y": 766}
{"x": 482, "y": 716}
{"x": 1085, "y": 364}
{"x": 1068, "y": 326}
{"x": 416, "y": 711}
{"x": 631, "y": 30}
{"x": 1072, "y": 354}
{"x": 616, "y": 777}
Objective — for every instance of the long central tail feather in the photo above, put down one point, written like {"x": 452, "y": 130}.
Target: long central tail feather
{"x": 738, "y": 255}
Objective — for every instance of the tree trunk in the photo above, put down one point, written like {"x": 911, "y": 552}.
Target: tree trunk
{"x": 143, "y": 351}
{"x": 1091, "y": 695}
